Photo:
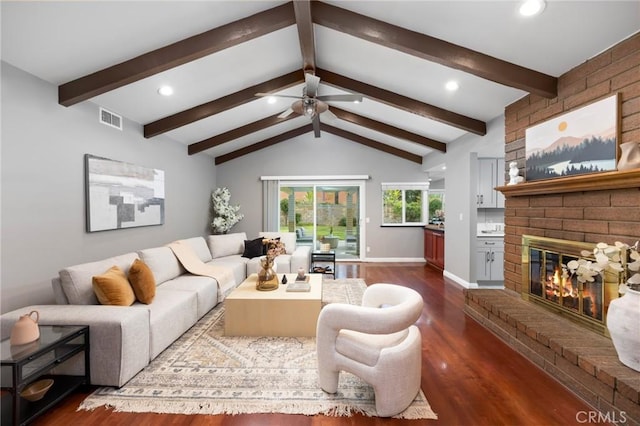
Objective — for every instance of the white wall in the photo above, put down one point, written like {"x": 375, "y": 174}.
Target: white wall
{"x": 328, "y": 155}
{"x": 460, "y": 192}
{"x": 42, "y": 187}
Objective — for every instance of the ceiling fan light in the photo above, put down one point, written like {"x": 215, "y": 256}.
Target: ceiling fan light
{"x": 309, "y": 110}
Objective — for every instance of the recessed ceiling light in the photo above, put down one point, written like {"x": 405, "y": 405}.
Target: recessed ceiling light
{"x": 451, "y": 86}
{"x": 272, "y": 99}
{"x": 165, "y": 90}
{"x": 532, "y": 7}
{"x": 444, "y": 167}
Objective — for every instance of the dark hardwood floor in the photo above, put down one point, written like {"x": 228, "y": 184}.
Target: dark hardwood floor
{"x": 469, "y": 376}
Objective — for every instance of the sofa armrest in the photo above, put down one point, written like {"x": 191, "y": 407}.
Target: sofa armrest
{"x": 300, "y": 258}
{"x": 118, "y": 336}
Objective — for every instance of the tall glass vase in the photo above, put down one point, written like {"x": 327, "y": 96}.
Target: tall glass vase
{"x": 267, "y": 278}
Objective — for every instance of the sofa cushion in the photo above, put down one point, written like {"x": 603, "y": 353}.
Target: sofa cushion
{"x": 288, "y": 238}
{"x": 142, "y": 281}
{"x": 162, "y": 262}
{"x": 170, "y": 315}
{"x": 77, "y": 281}
{"x": 236, "y": 263}
{"x": 226, "y": 244}
{"x": 113, "y": 288}
{"x": 253, "y": 248}
{"x": 199, "y": 245}
{"x": 206, "y": 290}
{"x": 281, "y": 264}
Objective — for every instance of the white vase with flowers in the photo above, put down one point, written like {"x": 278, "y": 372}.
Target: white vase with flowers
{"x": 623, "y": 316}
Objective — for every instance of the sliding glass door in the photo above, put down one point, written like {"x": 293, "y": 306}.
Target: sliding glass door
{"x": 324, "y": 213}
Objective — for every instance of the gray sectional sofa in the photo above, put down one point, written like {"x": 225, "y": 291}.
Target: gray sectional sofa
{"x": 124, "y": 339}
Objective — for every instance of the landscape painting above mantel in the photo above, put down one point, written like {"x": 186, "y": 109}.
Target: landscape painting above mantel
{"x": 578, "y": 142}
{"x": 122, "y": 195}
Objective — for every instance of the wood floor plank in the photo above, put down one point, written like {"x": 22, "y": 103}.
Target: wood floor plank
{"x": 469, "y": 376}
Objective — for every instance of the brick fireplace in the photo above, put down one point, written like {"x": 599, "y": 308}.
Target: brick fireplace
{"x": 548, "y": 282}
{"x": 583, "y": 209}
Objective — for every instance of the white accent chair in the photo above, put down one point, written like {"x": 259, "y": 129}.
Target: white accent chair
{"x": 377, "y": 342}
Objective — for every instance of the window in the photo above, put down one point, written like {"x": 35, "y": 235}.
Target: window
{"x": 436, "y": 207}
{"x": 404, "y": 204}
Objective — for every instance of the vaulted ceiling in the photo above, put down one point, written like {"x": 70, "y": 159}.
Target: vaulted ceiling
{"x": 217, "y": 55}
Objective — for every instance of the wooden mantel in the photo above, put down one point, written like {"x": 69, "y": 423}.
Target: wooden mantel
{"x": 587, "y": 182}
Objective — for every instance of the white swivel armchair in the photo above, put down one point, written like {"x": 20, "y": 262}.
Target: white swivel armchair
{"x": 377, "y": 342}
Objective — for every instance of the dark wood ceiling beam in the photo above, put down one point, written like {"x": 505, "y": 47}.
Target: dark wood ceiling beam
{"x": 324, "y": 127}
{"x": 435, "y": 50}
{"x": 238, "y": 132}
{"x": 402, "y": 102}
{"x": 176, "y": 54}
{"x": 387, "y": 129}
{"x": 263, "y": 144}
{"x": 302, "y": 11}
{"x": 222, "y": 104}
{"x": 371, "y": 143}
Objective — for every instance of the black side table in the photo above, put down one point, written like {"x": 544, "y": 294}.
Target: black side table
{"x": 323, "y": 262}
{"x": 25, "y": 364}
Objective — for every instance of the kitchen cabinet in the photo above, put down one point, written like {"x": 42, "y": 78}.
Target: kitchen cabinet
{"x": 434, "y": 247}
{"x": 490, "y": 174}
{"x": 490, "y": 259}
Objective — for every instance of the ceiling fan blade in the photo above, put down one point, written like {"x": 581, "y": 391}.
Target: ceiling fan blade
{"x": 286, "y": 113}
{"x": 316, "y": 126}
{"x": 311, "y": 82}
{"x": 341, "y": 98}
{"x": 261, "y": 95}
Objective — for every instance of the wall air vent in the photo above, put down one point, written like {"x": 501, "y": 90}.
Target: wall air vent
{"x": 110, "y": 119}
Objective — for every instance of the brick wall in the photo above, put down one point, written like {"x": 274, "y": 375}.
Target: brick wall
{"x": 589, "y": 216}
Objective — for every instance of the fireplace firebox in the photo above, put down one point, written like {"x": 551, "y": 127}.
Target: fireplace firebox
{"x": 548, "y": 282}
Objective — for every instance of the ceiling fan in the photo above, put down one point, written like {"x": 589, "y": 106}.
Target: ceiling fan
{"x": 310, "y": 104}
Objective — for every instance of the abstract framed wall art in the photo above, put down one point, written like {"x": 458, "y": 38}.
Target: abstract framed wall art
{"x": 579, "y": 142}
{"x": 122, "y": 195}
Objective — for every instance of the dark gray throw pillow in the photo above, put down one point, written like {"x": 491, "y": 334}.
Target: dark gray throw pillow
{"x": 252, "y": 248}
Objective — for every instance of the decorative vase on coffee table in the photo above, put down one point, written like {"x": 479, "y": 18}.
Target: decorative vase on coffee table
{"x": 623, "y": 322}
{"x": 267, "y": 278}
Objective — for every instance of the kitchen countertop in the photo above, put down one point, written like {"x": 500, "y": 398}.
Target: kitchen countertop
{"x": 491, "y": 234}
{"x": 434, "y": 227}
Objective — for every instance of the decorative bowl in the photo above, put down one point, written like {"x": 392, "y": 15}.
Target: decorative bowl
{"x": 36, "y": 390}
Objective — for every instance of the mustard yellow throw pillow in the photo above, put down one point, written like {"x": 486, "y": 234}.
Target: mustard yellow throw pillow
{"x": 113, "y": 288}
{"x": 142, "y": 281}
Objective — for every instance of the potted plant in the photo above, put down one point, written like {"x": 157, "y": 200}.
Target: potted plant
{"x": 623, "y": 316}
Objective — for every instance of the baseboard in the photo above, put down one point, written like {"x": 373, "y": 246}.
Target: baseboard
{"x": 458, "y": 280}
{"x": 394, "y": 259}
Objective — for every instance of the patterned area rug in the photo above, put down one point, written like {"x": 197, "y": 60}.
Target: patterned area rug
{"x": 204, "y": 372}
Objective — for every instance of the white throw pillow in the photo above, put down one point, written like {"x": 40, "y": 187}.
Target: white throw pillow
{"x": 199, "y": 245}
{"x": 77, "y": 280}
{"x": 226, "y": 244}
{"x": 288, "y": 238}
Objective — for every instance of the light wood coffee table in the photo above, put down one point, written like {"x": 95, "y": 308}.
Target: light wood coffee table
{"x": 250, "y": 312}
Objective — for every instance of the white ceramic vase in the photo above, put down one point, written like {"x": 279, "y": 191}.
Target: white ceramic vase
{"x": 629, "y": 156}
{"x": 623, "y": 322}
